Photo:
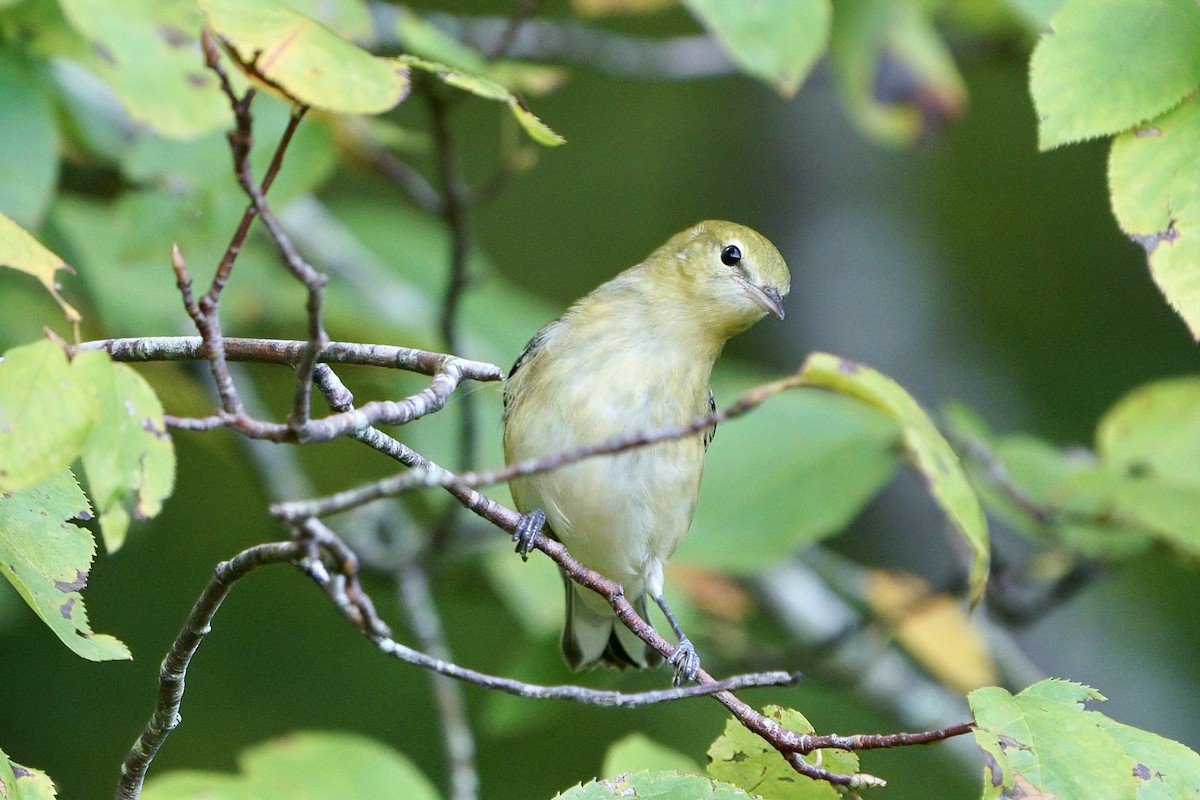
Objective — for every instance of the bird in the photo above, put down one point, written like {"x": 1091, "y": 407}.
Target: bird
{"x": 633, "y": 355}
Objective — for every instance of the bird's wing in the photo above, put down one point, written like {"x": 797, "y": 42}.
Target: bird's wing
{"x": 531, "y": 349}
{"x": 710, "y": 432}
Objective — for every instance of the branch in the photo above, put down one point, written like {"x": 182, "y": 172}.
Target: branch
{"x": 573, "y": 42}
{"x": 288, "y": 352}
{"x": 522, "y": 11}
{"x": 343, "y": 591}
{"x": 430, "y": 475}
{"x": 786, "y": 741}
{"x": 447, "y": 371}
{"x": 454, "y": 215}
{"x": 175, "y": 665}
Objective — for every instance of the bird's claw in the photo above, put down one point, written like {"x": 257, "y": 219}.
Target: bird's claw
{"x": 686, "y": 663}
{"x": 528, "y": 528}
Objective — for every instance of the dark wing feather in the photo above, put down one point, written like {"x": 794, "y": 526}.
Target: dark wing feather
{"x": 535, "y": 344}
{"x": 710, "y": 432}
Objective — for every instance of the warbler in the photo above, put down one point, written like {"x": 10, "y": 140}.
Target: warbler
{"x": 634, "y": 355}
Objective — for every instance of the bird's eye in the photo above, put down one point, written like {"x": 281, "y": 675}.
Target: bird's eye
{"x": 731, "y": 254}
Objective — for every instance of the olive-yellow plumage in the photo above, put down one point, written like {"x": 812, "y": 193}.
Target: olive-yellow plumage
{"x": 635, "y": 354}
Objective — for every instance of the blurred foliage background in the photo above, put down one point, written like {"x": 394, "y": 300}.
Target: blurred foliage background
{"x": 951, "y": 256}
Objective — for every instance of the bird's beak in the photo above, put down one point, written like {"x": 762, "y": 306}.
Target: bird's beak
{"x": 767, "y": 297}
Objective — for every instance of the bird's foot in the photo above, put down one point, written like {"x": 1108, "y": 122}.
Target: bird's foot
{"x": 528, "y": 528}
{"x": 686, "y": 663}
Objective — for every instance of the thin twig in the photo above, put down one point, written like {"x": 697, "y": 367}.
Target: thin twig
{"x": 438, "y": 476}
{"x": 416, "y": 598}
{"x": 784, "y": 740}
{"x": 522, "y": 10}
{"x": 175, "y": 665}
{"x": 342, "y": 590}
{"x": 570, "y": 41}
{"x": 289, "y": 352}
{"x": 454, "y": 214}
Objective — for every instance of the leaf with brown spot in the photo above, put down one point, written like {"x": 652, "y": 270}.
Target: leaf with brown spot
{"x": 149, "y": 52}
{"x": 299, "y": 59}
{"x": 46, "y": 558}
{"x": 926, "y": 449}
{"x": 20, "y": 251}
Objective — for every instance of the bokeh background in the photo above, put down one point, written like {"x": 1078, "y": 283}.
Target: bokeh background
{"x": 967, "y": 265}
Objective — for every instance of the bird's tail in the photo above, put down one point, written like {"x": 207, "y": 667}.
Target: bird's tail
{"x": 593, "y": 635}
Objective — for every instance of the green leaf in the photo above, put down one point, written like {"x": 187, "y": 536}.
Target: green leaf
{"x": 1107, "y": 65}
{"x": 1036, "y": 12}
{"x": 896, "y": 75}
{"x": 19, "y": 250}
{"x": 929, "y": 452}
{"x": 203, "y": 164}
{"x": 301, "y": 60}
{"x": 47, "y": 410}
{"x": 350, "y": 19}
{"x": 23, "y": 783}
{"x": 419, "y": 38}
{"x": 47, "y": 559}
{"x": 743, "y": 758}
{"x": 489, "y": 90}
{"x": 777, "y": 493}
{"x": 129, "y": 459}
{"x": 149, "y": 52}
{"x": 1154, "y": 180}
{"x": 1042, "y": 743}
{"x": 1164, "y": 769}
{"x": 29, "y": 159}
{"x": 1168, "y": 510}
{"x": 656, "y": 785}
{"x": 1154, "y": 431}
{"x": 776, "y": 41}
{"x": 639, "y": 753}
{"x": 1027, "y": 482}
{"x": 312, "y": 765}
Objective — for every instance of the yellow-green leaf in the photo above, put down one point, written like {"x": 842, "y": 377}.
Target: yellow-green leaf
{"x": 29, "y": 159}
{"x": 301, "y": 60}
{"x": 639, "y": 753}
{"x": 149, "y": 51}
{"x": 871, "y": 38}
{"x": 22, "y": 783}
{"x": 47, "y": 410}
{"x": 419, "y": 38}
{"x": 489, "y": 89}
{"x": 1154, "y": 180}
{"x": 1107, "y": 65}
{"x": 304, "y": 766}
{"x": 776, "y": 41}
{"x": 743, "y": 758}
{"x": 19, "y": 250}
{"x": 47, "y": 559}
{"x": 926, "y": 447}
{"x": 1042, "y": 743}
{"x": 129, "y": 459}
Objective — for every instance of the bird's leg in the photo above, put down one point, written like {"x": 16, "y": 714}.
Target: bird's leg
{"x": 684, "y": 659}
{"x": 528, "y": 528}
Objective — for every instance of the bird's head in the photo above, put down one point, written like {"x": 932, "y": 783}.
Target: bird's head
{"x": 730, "y": 275}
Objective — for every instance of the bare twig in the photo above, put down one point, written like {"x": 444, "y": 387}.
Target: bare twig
{"x": 782, "y": 739}
{"x": 454, "y": 214}
{"x": 342, "y": 589}
{"x": 175, "y": 665}
{"x": 434, "y": 475}
{"x": 447, "y": 371}
{"x": 416, "y": 597}
{"x": 288, "y": 352}
{"x": 573, "y": 42}
{"x": 522, "y": 11}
